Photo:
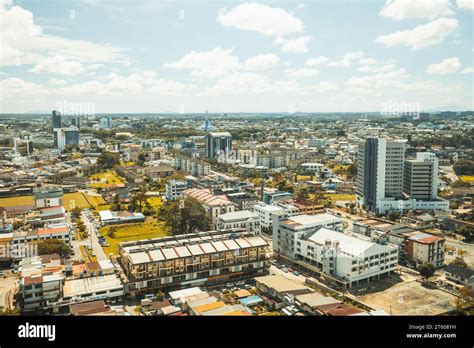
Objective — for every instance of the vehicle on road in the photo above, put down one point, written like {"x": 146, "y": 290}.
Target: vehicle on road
{"x": 296, "y": 273}
{"x": 285, "y": 270}
{"x": 93, "y": 253}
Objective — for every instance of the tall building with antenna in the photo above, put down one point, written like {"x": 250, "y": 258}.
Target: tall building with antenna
{"x": 207, "y": 125}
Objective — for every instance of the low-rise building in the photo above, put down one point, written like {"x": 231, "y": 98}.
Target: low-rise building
{"x": 175, "y": 189}
{"x": 108, "y": 217}
{"x": 204, "y": 258}
{"x": 425, "y": 248}
{"x": 214, "y": 205}
{"x": 244, "y": 219}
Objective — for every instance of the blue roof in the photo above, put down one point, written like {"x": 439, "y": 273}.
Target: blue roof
{"x": 251, "y": 300}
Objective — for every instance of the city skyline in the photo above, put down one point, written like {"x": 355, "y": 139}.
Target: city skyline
{"x": 293, "y": 56}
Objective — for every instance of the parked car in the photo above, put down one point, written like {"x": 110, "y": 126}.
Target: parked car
{"x": 230, "y": 285}
{"x": 93, "y": 253}
{"x": 285, "y": 270}
{"x": 296, "y": 273}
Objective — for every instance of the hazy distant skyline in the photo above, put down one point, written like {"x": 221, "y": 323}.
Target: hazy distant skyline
{"x": 228, "y": 56}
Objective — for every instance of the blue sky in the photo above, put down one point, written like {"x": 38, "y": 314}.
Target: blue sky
{"x": 231, "y": 56}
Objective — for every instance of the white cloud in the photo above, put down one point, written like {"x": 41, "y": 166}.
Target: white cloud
{"x": 468, "y": 70}
{"x": 421, "y": 36}
{"x": 316, "y": 61}
{"x": 14, "y": 87}
{"x": 301, "y": 72}
{"x": 58, "y": 65}
{"x": 212, "y": 63}
{"x": 298, "y": 45}
{"x": 376, "y": 69}
{"x": 347, "y": 59}
{"x": 173, "y": 88}
{"x": 447, "y": 66}
{"x": 367, "y": 61}
{"x": 325, "y": 86}
{"x": 383, "y": 79}
{"x": 269, "y": 21}
{"x": 57, "y": 82}
{"x": 300, "y": 5}
{"x": 261, "y": 62}
{"x": 23, "y": 42}
{"x": 404, "y": 9}
{"x": 465, "y": 4}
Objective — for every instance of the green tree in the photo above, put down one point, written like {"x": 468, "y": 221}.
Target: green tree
{"x": 458, "y": 261}
{"x": 393, "y": 215}
{"x": 426, "y": 270}
{"x": 53, "y": 246}
{"x": 108, "y": 160}
{"x": 186, "y": 216}
{"x": 467, "y": 232}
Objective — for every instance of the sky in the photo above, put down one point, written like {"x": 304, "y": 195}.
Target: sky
{"x": 235, "y": 56}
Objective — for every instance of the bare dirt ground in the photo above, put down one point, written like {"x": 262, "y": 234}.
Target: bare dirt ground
{"x": 406, "y": 296}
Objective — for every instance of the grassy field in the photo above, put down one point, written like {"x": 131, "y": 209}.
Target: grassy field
{"x": 303, "y": 177}
{"x": 340, "y": 197}
{"x": 70, "y": 200}
{"x": 106, "y": 179}
{"x": 155, "y": 202}
{"x": 467, "y": 178}
{"x": 128, "y": 232}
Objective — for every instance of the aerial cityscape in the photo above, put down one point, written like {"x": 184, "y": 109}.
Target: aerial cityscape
{"x": 237, "y": 158}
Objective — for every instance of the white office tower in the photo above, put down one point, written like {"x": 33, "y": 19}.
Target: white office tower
{"x": 431, "y": 157}
{"x": 379, "y": 171}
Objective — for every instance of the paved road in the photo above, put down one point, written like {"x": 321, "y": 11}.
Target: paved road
{"x": 7, "y": 287}
{"x": 99, "y": 252}
{"x": 300, "y": 279}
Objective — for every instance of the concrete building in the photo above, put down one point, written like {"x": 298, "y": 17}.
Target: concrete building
{"x": 313, "y": 168}
{"x": 197, "y": 259}
{"x": 288, "y": 231}
{"x": 56, "y": 119}
{"x": 23, "y": 147}
{"x": 244, "y": 219}
{"x": 347, "y": 258}
{"x": 418, "y": 179}
{"x": 218, "y": 143}
{"x": 66, "y": 136}
{"x": 243, "y": 200}
{"x": 175, "y": 189}
{"x": 265, "y": 213}
{"x": 214, "y": 205}
{"x": 192, "y": 166}
{"x": 379, "y": 171}
{"x": 425, "y": 248}
{"x": 382, "y": 179}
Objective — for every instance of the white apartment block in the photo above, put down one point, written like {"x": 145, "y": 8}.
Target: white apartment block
{"x": 244, "y": 219}
{"x": 347, "y": 257}
{"x": 287, "y": 231}
{"x": 175, "y": 189}
{"x": 265, "y": 214}
{"x": 192, "y": 166}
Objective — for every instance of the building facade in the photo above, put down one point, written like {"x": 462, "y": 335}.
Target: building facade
{"x": 196, "y": 259}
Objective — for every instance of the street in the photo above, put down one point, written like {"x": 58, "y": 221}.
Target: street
{"x": 93, "y": 240}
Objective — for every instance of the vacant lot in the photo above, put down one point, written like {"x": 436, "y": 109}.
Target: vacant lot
{"x": 467, "y": 178}
{"x": 106, "y": 179}
{"x": 340, "y": 197}
{"x": 70, "y": 200}
{"x": 409, "y": 298}
{"x": 128, "y": 232}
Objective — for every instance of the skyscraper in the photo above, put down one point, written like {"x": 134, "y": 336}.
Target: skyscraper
{"x": 379, "y": 171}
{"x": 56, "y": 119}
{"x": 66, "y": 136}
{"x": 218, "y": 143}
